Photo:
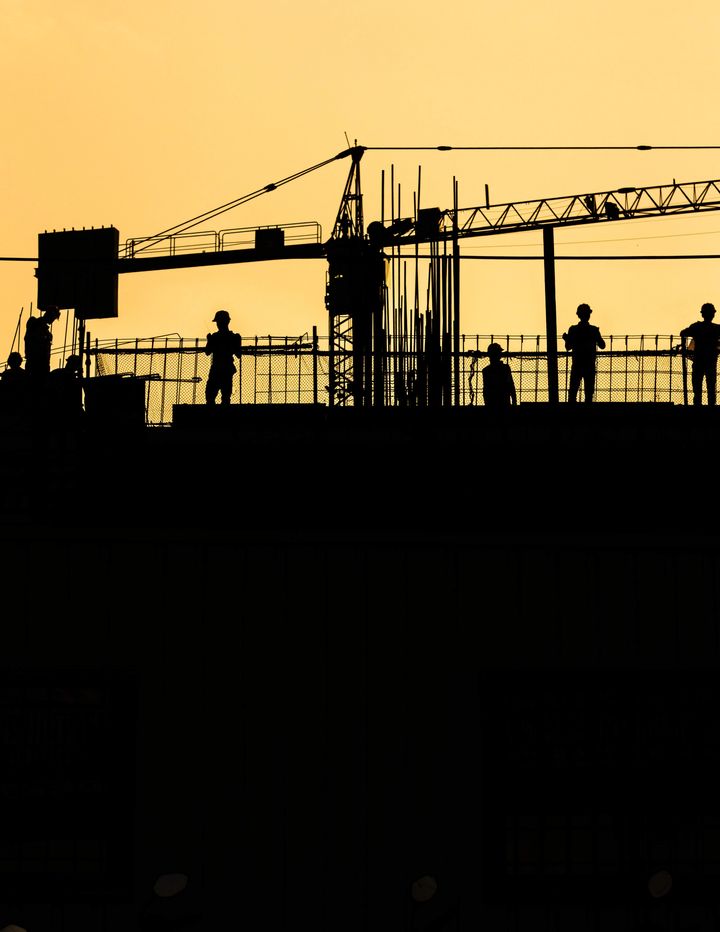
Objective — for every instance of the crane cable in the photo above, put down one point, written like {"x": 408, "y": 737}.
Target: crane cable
{"x": 210, "y": 214}
{"x": 526, "y": 148}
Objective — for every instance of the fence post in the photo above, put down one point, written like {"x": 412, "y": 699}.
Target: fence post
{"x": 550, "y": 314}
{"x": 315, "y": 364}
{"x": 240, "y": 371}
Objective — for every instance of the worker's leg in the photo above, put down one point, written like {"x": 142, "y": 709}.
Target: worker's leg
{"x": 574, "y": 384}
{"x": 710, "y": 383}
{"x": 211, "y": 390}
{"x": 226, "y": 390}
{"x": 589, "y": 385}
{"x": 697, "y": 382}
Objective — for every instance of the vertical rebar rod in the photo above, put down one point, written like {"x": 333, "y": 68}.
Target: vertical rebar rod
{"x": 406, "y": 336}
{"x": 456, "y": 294}
{"x": 444, "y": 328}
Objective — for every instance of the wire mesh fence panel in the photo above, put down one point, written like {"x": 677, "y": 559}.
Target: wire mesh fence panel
{"x": 296, "y": 370}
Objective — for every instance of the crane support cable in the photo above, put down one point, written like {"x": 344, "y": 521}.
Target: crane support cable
{"x": 223, "y": 208}
{"x": 527, "y": 148}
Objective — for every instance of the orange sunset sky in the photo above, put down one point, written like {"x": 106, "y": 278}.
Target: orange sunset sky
{"x": 141, "y": 115}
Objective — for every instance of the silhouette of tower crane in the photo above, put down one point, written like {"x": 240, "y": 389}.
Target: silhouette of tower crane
{"x": 79, "y": 269}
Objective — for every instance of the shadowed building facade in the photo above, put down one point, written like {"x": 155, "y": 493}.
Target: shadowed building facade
{"x": 311, "y": 660}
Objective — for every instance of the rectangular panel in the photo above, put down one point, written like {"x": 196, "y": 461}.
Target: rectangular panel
{"x": 77, "y": 269}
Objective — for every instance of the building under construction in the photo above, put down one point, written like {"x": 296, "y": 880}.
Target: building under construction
{"x": 371, "y": 656}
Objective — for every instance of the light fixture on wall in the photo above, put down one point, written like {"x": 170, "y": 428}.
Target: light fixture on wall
{"x": 660, "y": 884}
{"x": 167, "y": 907}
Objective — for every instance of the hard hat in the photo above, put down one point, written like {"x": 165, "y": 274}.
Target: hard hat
{"x": 221, "y": 315}
{"x": 494, "y": 349}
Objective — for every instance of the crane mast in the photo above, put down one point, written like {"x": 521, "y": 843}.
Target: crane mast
{"x": 355, "y": 300}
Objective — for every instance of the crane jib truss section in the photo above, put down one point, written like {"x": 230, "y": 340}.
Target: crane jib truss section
{"x": 620, "y": 204}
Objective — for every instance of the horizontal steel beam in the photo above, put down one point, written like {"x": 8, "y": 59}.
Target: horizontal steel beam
{"x": 224, "y": 257}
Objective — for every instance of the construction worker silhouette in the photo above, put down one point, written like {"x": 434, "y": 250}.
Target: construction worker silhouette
{"x": 38, "y": 343}
{"x": 14, "y": 374}
{"x": 14, "y": 384}
{"x": 66, "y": 389}
{"x": 583, "y": 340}
{"x": 224, "y": 346}
{"x": 705, "y": 342}
{"x": 497, "y": 379}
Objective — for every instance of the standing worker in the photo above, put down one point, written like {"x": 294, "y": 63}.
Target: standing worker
{"x": 224, "y": 346}
{"x": 583, "y": 340}
{"x": 497, "y": 379}
{"x": 705, "y": 337}
{"x": 38, "y": 343}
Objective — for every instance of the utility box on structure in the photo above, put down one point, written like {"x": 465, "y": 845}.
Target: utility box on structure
{"x": 428, "y": 223}
{"x": 116, "y": 400}
{"x": 269, "y": 239}
{"x": 77, "y": 269}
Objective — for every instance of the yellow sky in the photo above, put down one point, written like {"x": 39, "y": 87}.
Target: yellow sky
{"x": 142, "y": 115}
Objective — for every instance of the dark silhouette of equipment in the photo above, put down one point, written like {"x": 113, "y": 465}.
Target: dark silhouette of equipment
{"x": 79, "y": 269}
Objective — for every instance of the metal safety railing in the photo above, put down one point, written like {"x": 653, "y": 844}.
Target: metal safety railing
{"x": 295, "y": 370}
{"x": 199, "y": 241}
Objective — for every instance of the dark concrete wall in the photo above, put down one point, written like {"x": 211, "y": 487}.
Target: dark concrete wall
{"x": 309, "y": 614}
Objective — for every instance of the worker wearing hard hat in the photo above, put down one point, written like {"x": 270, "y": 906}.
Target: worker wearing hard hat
{"x": 497, "y": 379}
{"x": 583, "y": 340}
{"x": 704, "y": 345}
{"x": 38, "y": 343}
{"x": 224, "y": 346}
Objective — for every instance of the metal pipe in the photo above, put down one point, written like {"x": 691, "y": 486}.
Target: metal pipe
{"x": 550, "y": 314}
